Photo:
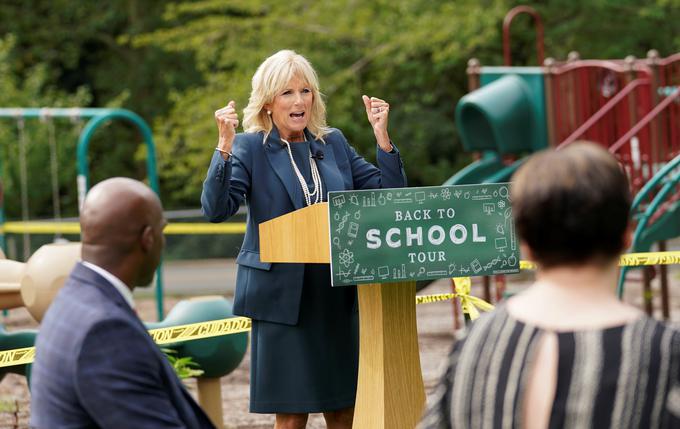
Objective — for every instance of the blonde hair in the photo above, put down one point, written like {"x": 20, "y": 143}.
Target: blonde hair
{"x": 270, "y": 79}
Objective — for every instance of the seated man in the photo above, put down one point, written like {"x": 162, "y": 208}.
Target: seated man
{"x": 565, "y": 353}
{"x": 95, "y": 364}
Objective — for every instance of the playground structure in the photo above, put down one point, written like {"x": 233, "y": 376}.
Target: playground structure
{"x": 35, "y": 283}
{"x": 39, "y": 279}
{"x": 97, "y": 118}
{"x": 630, "y": 106}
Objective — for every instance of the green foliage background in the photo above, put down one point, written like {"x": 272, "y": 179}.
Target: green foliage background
{"x": 176, "y": 62}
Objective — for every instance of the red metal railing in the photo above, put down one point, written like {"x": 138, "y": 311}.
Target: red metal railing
{"x": 675, "y": 95}
{"x": 613, "y": 103}
{"x": 580, "y": 89}
{"x": 640, "y": 162}
{"x": 668, "y": 73}
{"x": 605, "y": 112}
{"x": 507, "y": 22}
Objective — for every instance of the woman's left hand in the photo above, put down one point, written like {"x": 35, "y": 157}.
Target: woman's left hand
{"x": 378, "y": 111}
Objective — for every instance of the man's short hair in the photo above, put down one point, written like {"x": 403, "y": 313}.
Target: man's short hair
{"x": 572, "y": 206}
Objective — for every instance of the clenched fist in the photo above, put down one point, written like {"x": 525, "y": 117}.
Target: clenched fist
{"x": 378, "y": 111}
{"x": 227, "y": 122}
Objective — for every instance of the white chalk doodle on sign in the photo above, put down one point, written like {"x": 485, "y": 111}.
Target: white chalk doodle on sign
{"x": 339, "y": 201}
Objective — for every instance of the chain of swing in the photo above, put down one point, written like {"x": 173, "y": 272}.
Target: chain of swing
{"x": 54, "y": 173}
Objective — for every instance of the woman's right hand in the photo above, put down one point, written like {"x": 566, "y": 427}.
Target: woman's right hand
{"x": 227, "y": 122}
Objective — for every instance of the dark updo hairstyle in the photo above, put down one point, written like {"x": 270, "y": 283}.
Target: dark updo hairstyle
{"x": 572, "y": 206}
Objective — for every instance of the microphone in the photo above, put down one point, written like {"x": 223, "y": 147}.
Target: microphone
{"x": 318, "y": 155}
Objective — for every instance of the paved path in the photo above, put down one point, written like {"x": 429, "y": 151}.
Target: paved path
{"x": 196, "y": 277}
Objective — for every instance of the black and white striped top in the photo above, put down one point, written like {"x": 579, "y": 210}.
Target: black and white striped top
{"x": 622, "y": 377}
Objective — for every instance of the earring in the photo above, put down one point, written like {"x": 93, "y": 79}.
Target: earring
{"x": 269, "y": 112}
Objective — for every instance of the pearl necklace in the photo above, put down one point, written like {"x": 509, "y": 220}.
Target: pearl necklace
{"x": 316, "y": 177}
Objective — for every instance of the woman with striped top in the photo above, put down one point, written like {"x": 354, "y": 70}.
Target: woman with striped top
{"x": 566, "y": 353}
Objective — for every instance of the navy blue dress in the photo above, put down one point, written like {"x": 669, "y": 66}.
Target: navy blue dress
{"x": 310, "y": 367}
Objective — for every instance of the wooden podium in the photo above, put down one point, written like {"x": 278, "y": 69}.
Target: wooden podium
{"x": 390, "y": 392}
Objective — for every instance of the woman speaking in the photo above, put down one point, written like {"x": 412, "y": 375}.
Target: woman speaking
{"x": 304, "y": 352}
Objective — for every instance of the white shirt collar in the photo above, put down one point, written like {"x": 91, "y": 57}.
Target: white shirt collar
{"x": 115, "y": 281}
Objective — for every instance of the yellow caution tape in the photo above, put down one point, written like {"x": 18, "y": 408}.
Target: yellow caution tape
{"x": 631, "y": 260}
{"x": 17, "y": 356}
{"x": 470, "y": 304}
{"x": 175, "y": 228}
{"x": 41, "y": 228}
{"x": 197, "y": 331}
{"x": 182, "y": 228}
{"x": 205, "y": 228}
{"x": 650, "y": 258}
{"x": 527, "y": 265}
{"x": 193, "y": 331}
{"x": 428, "y": 299}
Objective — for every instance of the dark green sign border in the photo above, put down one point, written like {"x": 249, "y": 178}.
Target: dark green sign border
{"x": 426, "y": 233}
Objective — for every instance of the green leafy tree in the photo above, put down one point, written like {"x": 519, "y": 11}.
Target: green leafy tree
{"x": 176, "y": 62}
{"x": 76, "y": 48}
{"x": 610, "y": 28}
{"x": 411, "y": 53}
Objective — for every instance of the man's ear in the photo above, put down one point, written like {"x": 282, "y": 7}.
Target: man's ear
{"x": 147, "y": 239}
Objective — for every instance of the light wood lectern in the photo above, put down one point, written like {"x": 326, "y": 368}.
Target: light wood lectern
{"x": 390, "y": 393}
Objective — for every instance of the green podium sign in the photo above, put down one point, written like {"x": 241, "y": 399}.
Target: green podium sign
{"x": 394, "y": 235}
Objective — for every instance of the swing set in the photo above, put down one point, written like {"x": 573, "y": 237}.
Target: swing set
{"x": 97, "y": 117}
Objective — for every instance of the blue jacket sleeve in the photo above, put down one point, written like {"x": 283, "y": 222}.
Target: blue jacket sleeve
{"x": 389, "y": 173}
{"x": 227, "y": 183}
{"x": 118, "y": 379}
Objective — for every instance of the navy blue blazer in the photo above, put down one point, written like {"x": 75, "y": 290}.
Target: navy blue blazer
{"x": 260, "y": 172}
{"x": 97, "y": 367}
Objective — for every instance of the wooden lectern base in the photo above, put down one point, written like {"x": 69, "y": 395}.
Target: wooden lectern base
{"x": 390, "y": 392}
